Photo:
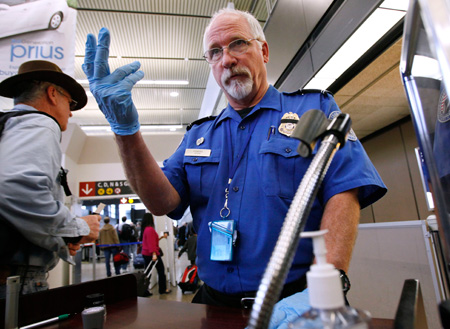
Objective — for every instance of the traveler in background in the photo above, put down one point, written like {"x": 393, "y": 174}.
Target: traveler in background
{"x": 134, "y": 239}
{"x": 125, "y": 235}
{"x": 108, "y": 235}
{"x": 36, "y": 227}
{"x": 182, "y": 233}
{"x": 175, "y": 234}
{"x": 164, "y": 236}
{"x": 150, "y": 251}
{"x": 190, "y": 246}
{"x": 138, "y": 232}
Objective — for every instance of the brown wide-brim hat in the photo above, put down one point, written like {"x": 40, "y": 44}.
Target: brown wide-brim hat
{"x": 43, "y": 71}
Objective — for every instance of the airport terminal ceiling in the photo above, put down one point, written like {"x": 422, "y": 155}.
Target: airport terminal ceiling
{"x": 166, "y": 37}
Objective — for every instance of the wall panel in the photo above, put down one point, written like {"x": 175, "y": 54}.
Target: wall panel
{"x": 387, "y": 152}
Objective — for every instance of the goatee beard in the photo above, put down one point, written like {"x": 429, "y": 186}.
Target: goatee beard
{"x": 237, "y": 88}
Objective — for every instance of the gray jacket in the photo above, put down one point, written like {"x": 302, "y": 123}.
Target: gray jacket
{"x": 31, "y": 197}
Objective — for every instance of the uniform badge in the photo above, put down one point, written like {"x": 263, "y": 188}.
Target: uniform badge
{"x": 200, "y": 141}
{"x": 444, "y": 107}
{"x": 288, "y": 123}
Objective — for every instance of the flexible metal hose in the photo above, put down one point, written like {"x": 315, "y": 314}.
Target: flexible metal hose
{"x": 277, "y": 269}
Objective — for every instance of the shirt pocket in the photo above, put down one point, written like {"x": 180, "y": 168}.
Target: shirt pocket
{"x": 281, "y": 167}
{"x": 201, "y": 173}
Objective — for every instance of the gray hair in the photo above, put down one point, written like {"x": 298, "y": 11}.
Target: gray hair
{"x": 255, "y": 28}
{"x": 30, "y": 91}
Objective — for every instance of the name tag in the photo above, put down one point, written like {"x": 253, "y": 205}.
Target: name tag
{"x": 197, "y": 153}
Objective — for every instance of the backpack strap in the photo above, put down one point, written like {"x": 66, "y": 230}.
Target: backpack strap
{"x": 4, "y": 116}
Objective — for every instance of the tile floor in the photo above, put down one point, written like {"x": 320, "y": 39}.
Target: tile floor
{"x": 87, "y": 270}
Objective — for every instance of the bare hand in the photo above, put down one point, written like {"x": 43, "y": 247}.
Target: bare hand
{"x": 94, "y": 224}
{"x": 73, "y": 247}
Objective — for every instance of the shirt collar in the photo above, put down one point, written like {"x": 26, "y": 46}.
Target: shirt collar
{"x": 271, "y": 100}
{"x": 23, "y": 107}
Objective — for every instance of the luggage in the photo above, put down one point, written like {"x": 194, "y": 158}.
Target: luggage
{"x": 143, "y": 279}
{"x": 189, "y": 281}
{"x": 138, "y": 262}
{"x": 121, "y": 258}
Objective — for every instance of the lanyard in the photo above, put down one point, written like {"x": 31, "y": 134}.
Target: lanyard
{"x": 234, "y": 164}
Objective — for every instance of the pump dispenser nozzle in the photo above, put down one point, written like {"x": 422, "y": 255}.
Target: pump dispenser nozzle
{"x": 324, "y": 283}
{"x": 326, "y": 297}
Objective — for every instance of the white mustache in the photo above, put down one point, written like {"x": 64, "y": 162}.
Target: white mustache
{"x": 235, "y": 71}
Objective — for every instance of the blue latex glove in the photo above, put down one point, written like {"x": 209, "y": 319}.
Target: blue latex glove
{"x": 112, "y": 91}
{"x": 289, "y": 309}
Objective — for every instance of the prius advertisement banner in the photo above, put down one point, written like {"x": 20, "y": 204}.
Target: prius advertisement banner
{"x": 36, "y": 29}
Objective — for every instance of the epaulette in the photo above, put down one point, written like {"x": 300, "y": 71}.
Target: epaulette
{"x": 313, "y": 91}
{"x": 200, "y": 121}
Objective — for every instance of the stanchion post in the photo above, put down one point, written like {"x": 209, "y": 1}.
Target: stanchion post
{"x": 76, "y": 270}
{"x": 12, "y": 302}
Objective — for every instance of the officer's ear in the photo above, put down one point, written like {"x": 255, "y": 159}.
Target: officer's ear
{"x": 265, "y": 51}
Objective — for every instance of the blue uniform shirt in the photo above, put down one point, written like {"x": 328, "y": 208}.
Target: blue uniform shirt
{"x": 262, "y": 188}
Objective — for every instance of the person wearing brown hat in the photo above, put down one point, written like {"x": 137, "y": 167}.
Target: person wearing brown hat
{"x": 36, "y": 228}
{"x": 108, "y": 236}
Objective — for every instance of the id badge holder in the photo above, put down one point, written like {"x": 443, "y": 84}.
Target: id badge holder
{"x": 223, "y": 235}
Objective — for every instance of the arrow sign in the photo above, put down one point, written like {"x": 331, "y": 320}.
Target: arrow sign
{"x": 104, "y": 188}
{"x": 87, "y": 189}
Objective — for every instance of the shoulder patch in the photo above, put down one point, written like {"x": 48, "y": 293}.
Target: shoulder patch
{"x": 443, "y": 107}
{"x": 200, "y": 121}
{"x": 313, "y": 91}
{"x": 351, "y": 134}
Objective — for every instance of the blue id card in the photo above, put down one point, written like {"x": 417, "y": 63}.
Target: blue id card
{"x": 222, "y": 237}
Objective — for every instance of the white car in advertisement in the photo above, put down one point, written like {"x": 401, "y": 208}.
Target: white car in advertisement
{"x": 23, "y": 16}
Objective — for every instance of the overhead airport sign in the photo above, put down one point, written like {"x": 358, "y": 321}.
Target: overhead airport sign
{"x": 104, "y": 188}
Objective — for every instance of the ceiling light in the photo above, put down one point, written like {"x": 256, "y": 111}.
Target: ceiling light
{"x": 106, "y": 130}
{"x": 375, "y": 26}
{"x": 395, "y": 4}
{"x": 148, "y": 82}
{"x": 161, "y": 127}
{"x": 93, "y": 128}
{"x": 163, "y": 82}
{"x": 174, "y": 94}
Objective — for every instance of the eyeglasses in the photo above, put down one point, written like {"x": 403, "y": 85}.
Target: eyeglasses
{"x": 72, "y": 103}
{"x": 235, "y": 48}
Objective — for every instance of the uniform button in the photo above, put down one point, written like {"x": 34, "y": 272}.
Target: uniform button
{"x": 195, "y": 159}
{"x": 288, "y": 150}
{"x": 235, "y": 189}
{"x": 230, "y": 269}
{"x": 242, "y": 127}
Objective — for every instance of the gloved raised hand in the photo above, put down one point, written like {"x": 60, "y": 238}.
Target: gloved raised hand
{"x": 289, "y": 309}
{"x": 112, "y": 91}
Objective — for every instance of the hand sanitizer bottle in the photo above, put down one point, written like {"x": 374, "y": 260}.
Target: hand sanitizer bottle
{"x": 328, "y": 309}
